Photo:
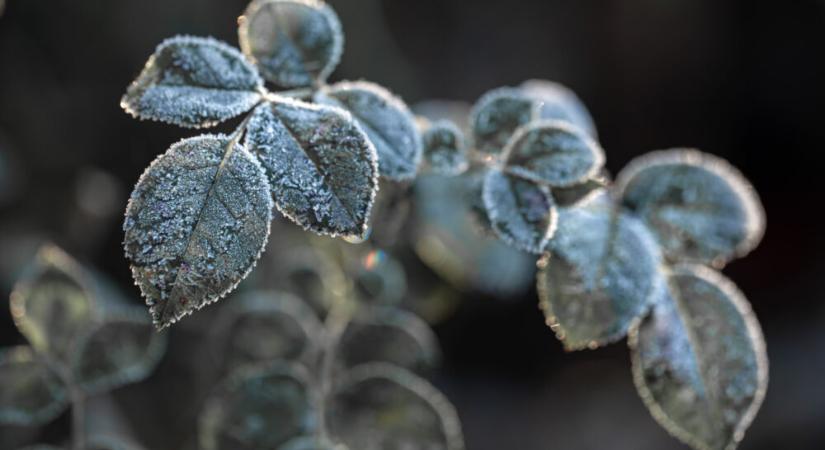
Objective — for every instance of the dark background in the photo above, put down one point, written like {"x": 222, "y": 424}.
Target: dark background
{"x": 740, "y": 79}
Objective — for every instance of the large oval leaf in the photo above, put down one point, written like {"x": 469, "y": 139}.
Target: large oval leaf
{"x": 193, "y": 82}
{"x": 497, "y": 115}
{"x": 321, "y": 167}
{"x": 30, "y": 393}
{"x": 602, "y": 273}
{"x": 295, "y": 43}
{"x": 699, "y": 360}
{"x": 700, "y": 208}
{"x": 379, "y": 406}
{"x": 196, "y": 223}
{"x": 553, "y": 152}
{"x": 444, "y": 149}
{"x": 559, "y": 103}
{"x": 522, "y": 213}
{"x": 385, "y": 118}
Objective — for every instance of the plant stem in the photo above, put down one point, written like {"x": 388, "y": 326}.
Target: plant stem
{"x": 335, "y": 324}
{"x": 78, "y": 418}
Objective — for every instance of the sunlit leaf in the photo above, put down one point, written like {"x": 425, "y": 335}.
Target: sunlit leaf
{"x": 553, "y": 152}
{"x": 295, "y": 43}
{"x": 321, "y": 167}
{"x": 522, "y": 213}
{"x": 497, "y": 115}
{"x": 602, "y": 273}
{"x": 559, "y": 103}
{"x": 30, "y": 393}
{"x": 193, "y": 82}
{"x": 444, "y": 149}
{"x": 699, "y": 360}
{"x": 379, "y": 406}
{"x": 389, "y": 335}
{"x": 195, "y": 225}
{"x": 700, "y": 208}
{"x": 259, "y": 409}
{"x": 380, "y": 279}
{"x": 385, "y": 118}
{"x": 51, "y": 304}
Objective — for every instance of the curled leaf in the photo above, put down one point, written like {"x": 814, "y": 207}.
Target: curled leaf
{"x": 193, "y": 82}
{"x": 553, "y": 152}
{"x": 559, "y": 103}
{"x": 444, "y": 149}
{"x": 699, "y": 360}
{"x": 385, "y": 119}
{"x": 497, "y": 115}
{"x": 30, "y": 393}
{"x": 522, "y": 213}
{"x": 196, "y": 223}
{"x": 700, "y": 208}
{"x": 294, "y": 43}
{"x": 602, "y": 273}
{"x": 321, "y": 167}
{"x": 379, "y": 406}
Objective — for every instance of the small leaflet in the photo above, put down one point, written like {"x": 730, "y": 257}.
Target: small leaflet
{"x": 559, "y": 103}
{"x": 445, "y": 152}
{"x": 701, "y": 209}
{"x": 378, "y": 406}
{"x": 196, "y": 224}
{"x": 294, "y": 43}
{"x": 121, "y": 350}
{"x": 259, "y": 408}
{"x": 497, "y": 115}
{"x": 385, "y": 119}
{"x": 699, "y": 360}
{"x": 30, "y": 393}
{"x": 391, "y": 335}
{"x": 553, "y": 152}
{"x": 322, "y": 169}
{"x": 602, "y": 273}
{"x": 51, "y": 304}
{"x": 522, "y": 213}
{"x": 193, "y": 82}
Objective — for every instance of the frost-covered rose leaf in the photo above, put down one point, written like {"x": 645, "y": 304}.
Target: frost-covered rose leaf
{"x": 51, "y": 304}
{"x": 294, "y": 43}
{"x": 264, "y": 326}
{"x": 559, "y": 103}
{"x": 522, "y": 213}
{"x": 385, "y": 119}
{"x": 196, "y": 223}
{"x": 378, "y": 406}
{"x": 391, "y": 335}
{"x": 699, "y": 360}
{"x": 321, "y": 167}
{"x": 444, "y": 148}
{"x": 602, "y": 272}
{"x": 30, "y": 393}
{"x": 380, "y": 280}
{"x": 700, "y": 208}
{"x": 553, "y": 152}
{"x": 259, "y": 409}
{"x": 123, "y": 349}
{"x": 497, "y": 115}
{"x": 193, "y": 82}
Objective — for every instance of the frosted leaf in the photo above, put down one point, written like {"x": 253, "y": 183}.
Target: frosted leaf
{"x": 699, "y": 360}
{"x": 321, "y": 167}
{"x": 294, "y": 43}
{"x": 264, "y": 326}
{"x": 389, "y": 335}
{"x": 51, "y": 304}
{"x": 196, "y": 223}
{"x": 497, "y": 115}
{"x": 603, "y": 272}
{"x": 378, "y": 406}
{"x": 259, "y": 409}
{"x": 193, "y": 82}
{"x": 121, "y": 350}
{"x": 380, "y": 279}
{"x": 553, "y": 152}
{"x": 559, "y": 103}
{"x": 444, "y": 148}
{"x": 700, "y": 208}
{"x": 521, "y": 212}
{"x": 30, "y": 393}
{"x": 311, "y": 443}
{"x": 385, "y": 119}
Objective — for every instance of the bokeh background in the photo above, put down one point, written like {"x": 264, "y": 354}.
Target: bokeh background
{"x": 741, "y": 79}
